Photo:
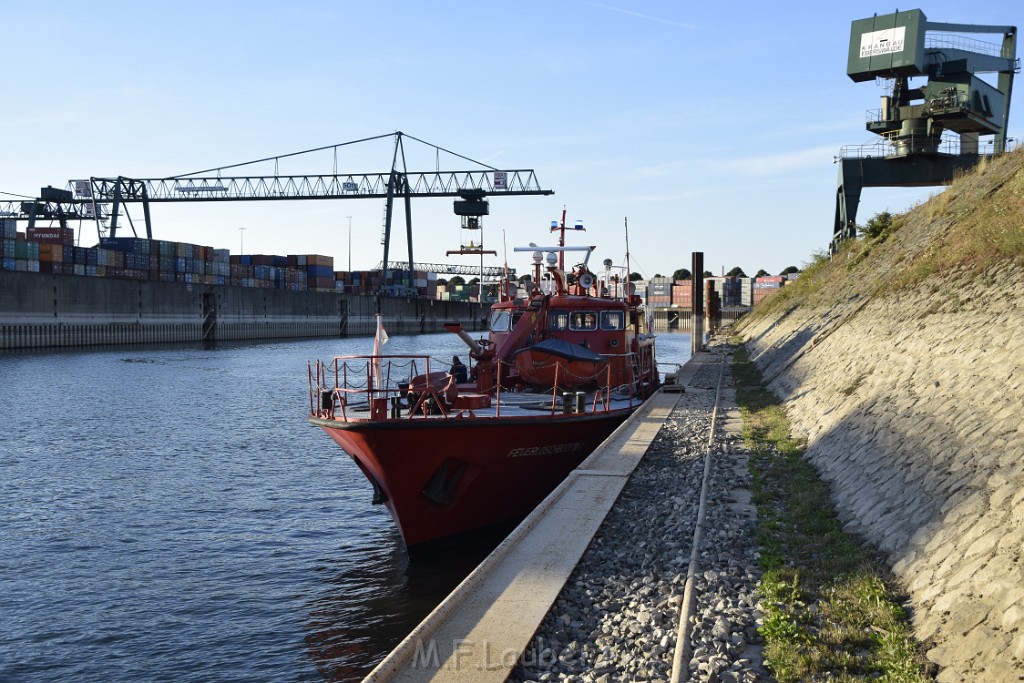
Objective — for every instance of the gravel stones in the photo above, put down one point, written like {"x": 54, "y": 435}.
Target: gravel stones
{"x": 617, "y": 617}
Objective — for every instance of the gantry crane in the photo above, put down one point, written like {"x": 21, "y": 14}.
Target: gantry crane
{"x": 103, "y": 199}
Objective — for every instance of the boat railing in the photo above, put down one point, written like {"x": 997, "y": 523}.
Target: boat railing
{"x": 375, "y": 383}
{"x": 404, "y": 387}
{"x": 638, "y": 364}
{"x": 564, "y": 401}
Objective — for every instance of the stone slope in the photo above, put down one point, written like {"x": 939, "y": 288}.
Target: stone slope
{"x": 912, "y": 400}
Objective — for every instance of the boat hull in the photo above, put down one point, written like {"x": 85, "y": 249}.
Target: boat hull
{"x": 441, "y": 478}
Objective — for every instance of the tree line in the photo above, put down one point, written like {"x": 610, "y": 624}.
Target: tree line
{"x": 679, "y": 274}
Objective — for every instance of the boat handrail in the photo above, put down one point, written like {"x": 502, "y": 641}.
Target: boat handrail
{"x": 380, "y": 383}
{"x": 372, "y": 376}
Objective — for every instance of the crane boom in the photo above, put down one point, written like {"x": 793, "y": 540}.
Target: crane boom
{"x": 333, "y": 186}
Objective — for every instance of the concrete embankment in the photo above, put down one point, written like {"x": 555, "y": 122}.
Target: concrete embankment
{"x": 38, "y": 310}
{"x": 911, "y": 405}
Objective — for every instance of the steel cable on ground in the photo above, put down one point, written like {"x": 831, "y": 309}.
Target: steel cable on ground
{"x": 683, "y": 651}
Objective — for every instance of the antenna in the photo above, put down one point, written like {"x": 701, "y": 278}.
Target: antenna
{"x": 625, "y": 222}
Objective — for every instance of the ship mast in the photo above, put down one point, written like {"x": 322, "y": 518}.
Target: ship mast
{"x": 625, "y": 224}
{"x": 560, "y": 227}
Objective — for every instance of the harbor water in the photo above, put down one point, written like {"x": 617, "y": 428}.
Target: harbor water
{"x": 166, "y": 514}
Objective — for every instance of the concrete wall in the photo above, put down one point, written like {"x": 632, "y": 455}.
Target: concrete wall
{"x": 38, "y": 310}
{"x": 912, "y": 405}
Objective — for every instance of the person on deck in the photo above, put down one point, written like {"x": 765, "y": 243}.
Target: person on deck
{"x": 459, "y": 371}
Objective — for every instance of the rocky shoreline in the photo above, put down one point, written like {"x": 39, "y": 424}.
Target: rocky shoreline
{"x": 617, "y": 617}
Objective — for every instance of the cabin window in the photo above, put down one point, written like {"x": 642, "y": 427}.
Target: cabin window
{"x": 612, "y": 320}
{"x": 583, "y": 321}
{"x": 501, "y": 320}
{"x": 558, "y": 320}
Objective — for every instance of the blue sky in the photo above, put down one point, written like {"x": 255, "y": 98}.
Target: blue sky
{"x": 710, "y": 126}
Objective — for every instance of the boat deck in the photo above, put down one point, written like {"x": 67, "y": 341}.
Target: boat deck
{"x": 479, "y": 631}
{"x": 509, "y": 405}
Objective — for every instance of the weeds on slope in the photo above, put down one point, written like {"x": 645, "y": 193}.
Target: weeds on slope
{"x": 829, "y": 614}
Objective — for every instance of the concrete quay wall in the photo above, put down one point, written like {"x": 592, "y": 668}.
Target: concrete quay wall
{"x": 41, "y": 310}
{"x": 912, "y": 406}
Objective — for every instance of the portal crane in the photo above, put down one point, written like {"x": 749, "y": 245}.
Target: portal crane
{"x": 104, "y": 198}
{"x": 912, "y": 120}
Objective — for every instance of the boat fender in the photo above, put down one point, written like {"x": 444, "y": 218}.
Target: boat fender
{"x": 450, "y": 391}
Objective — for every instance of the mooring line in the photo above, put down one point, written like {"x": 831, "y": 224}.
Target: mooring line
{"x": 683, "y": 651}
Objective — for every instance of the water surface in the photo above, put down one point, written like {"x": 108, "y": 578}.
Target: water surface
{"x": 166, "y": 514}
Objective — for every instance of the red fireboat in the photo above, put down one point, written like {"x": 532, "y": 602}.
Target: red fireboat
{"x": 560, "y": 369}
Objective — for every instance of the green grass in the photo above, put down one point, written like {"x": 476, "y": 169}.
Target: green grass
{"x": 830, "y": 612}
{"x": 973, "y": 228}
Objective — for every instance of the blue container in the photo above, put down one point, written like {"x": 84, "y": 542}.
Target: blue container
{"x": 128, "y": 245}
{"x": 320, "y": 271}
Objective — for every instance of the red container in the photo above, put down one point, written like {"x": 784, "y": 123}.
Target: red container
{"x": 51, "y": 235}
{"x": 763, "y": 293}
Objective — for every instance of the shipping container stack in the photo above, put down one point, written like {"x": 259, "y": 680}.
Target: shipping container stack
{"x": 52, "y": 250}
{"x": 731, "y": 291}
{"x": 746, "y": 291}
{"x": 417, "y": 283}
{"x": 451, "y": 292}
{"x": 319, "y": 270}
{"x": 765, "y": 287}
{"x": 8, "y": 231}
{"x": 728, "y": 289}
{"x": 682, "y": 295}
{"x": 55, "y": 249}
{"x": 659, "y": 292}
{"x": 364, "y": 281}
{"x": 432, "y": 286}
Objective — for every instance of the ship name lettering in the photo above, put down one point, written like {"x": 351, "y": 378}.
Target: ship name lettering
{"x": 546, "y": 450}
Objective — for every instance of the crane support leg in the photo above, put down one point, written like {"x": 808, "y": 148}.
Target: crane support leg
{"x": 919, "y": 171}
{"x": 115, "y": 208}
{"x": 851, "y": 182}
{"x": 408, "y": 233}
{"x": 145, "y": 211}
{"x": 389, "y": 206}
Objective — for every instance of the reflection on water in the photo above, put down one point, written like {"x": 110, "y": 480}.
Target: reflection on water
{"x": 396, "y": 591}
{"x": 166, "y": 514}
